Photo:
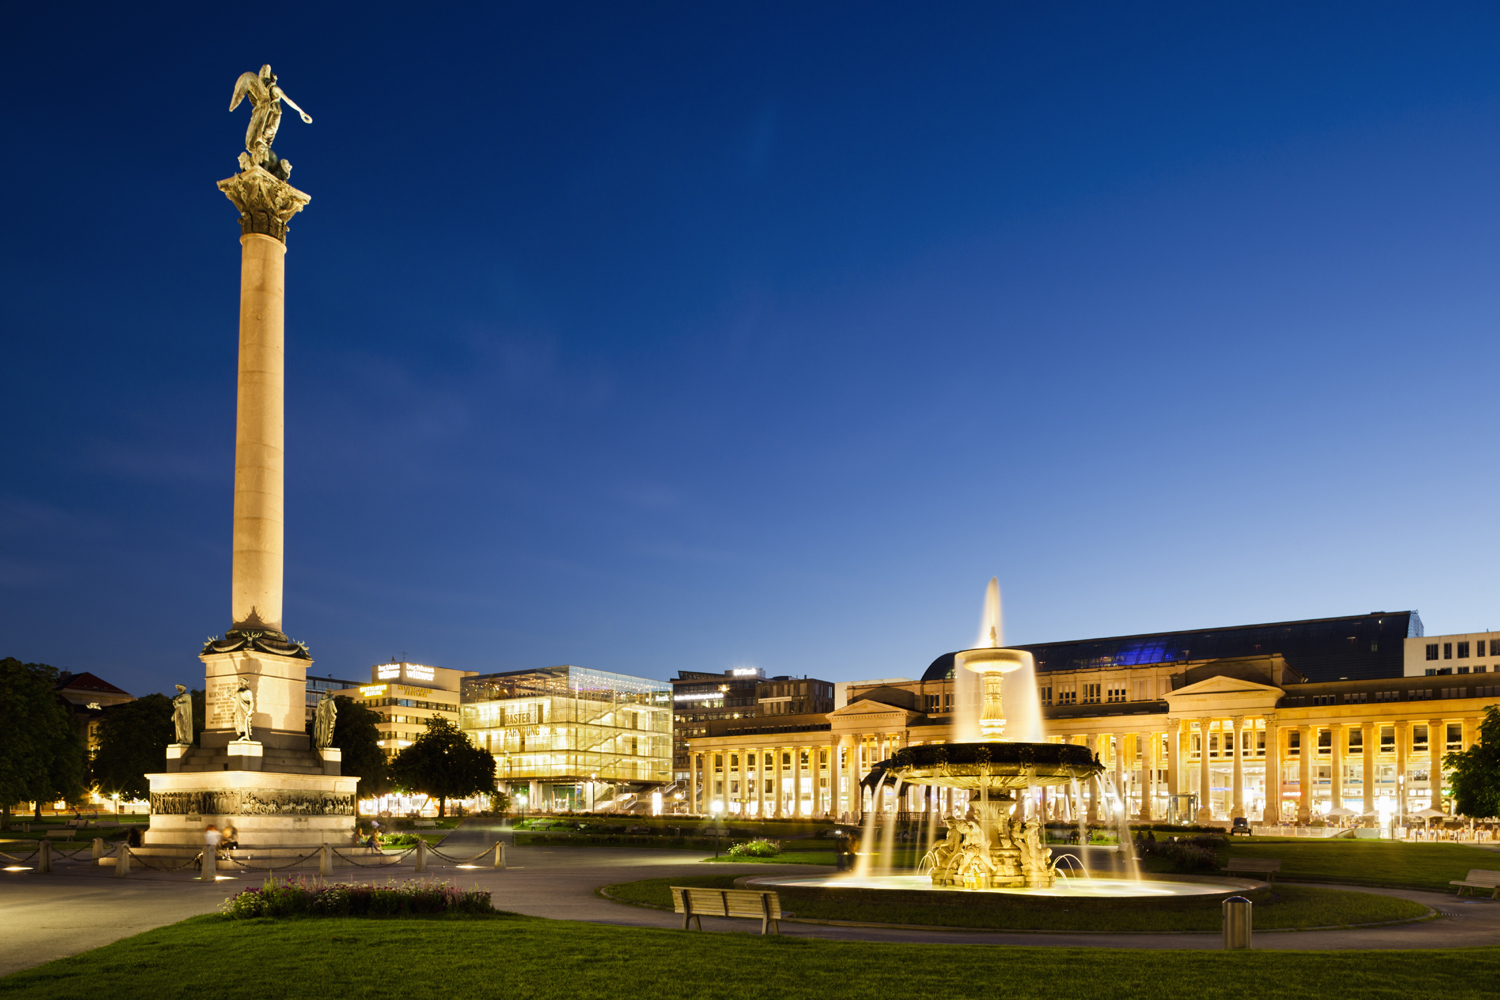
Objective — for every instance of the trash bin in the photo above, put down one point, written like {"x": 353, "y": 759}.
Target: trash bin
{"x": 1236, "y": 923}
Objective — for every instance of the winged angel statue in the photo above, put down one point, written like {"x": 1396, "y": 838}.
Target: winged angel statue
{"x": 265, "y": 118}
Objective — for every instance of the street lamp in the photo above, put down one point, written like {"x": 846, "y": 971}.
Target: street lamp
{"x": 718, "y": 810}
{"x": 521, "y": 800}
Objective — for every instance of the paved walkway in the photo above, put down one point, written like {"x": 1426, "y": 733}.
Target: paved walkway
{"x": 43, "y": 917}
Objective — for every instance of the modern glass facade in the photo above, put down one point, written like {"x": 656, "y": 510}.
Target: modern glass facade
{"x": 569, "y": 724}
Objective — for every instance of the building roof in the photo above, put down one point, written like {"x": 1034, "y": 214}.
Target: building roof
{"x": 1354, "y": 647}
{"x": 86, "y": 684}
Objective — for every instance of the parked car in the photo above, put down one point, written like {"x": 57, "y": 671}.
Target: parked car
{"x": 1240, "y": 825}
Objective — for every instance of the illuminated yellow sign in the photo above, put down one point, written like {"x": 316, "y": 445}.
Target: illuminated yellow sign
{"x": 373, "y": 691}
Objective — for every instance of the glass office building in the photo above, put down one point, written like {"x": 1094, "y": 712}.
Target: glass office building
{"x": 570, "y": 737}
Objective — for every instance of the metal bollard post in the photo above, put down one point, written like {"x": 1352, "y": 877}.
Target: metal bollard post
{"x": 421, "y": 855}
{"x": 122, "y": 861}
{"x": 1236, "y": 923}
{"x": 325, "y": 861}
{"x": 210, "y": 868}
{"x": 44, "y": 857}
{"x": 98, "y": 851}
{"x": 499, "y": 854}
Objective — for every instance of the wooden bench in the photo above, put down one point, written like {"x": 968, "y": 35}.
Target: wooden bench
{"x": 1479, "y": 878}
{"x": 1266, "y": 867}
{"x": 752, "y": 903}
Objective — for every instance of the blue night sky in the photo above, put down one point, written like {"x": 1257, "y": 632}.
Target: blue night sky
{"x": 651, "y": 337}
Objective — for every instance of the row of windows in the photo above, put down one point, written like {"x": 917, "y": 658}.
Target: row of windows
{"x": 1479, "y": 668}
{"x": 1463, "y": 650}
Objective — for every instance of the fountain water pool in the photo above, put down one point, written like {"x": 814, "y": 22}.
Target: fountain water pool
{"x": 1064, "y": 887}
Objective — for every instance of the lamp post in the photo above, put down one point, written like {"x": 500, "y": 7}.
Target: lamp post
{"x": 521, "y": 801}
{"x": 718, "y": 811}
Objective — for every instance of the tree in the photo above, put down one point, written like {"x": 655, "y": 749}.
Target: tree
{"x": 41, "y": 754}
{"x": 355, "y": 734}
{"x": 133, "y": 740}
{"x": 443, "y": 764}
{"x": 1476, "y": 771}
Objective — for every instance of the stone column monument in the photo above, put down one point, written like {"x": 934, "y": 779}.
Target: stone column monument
{"x": 253, "y": 764}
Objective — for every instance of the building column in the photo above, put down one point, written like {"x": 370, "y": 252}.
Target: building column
{"x": 777, "y": 808}
{"x": 1403, "y": 751}
{"x": 1149, "y": 751}
{"x": 856, "y": 772}
{"x": 1271, "y": 812}
{"x": 796, "y": 782}
{"x": 1205, "y": 785}
{"x": 1092, "y": 814}
{"x": 1174, "y": 764}
{"x": 1437, "y": 738}
{"x": 1306, "y": 736}
{"x": 1369, "y": 735}
{"x": 832, "y": 795}
{"x": 1124, "y": 803}
{"x": 1471, "y": 733}
{"x": 760, "y": 783}
{"x": 1336, "y": 738}
{"x": 692, "y": 781}
{"x": 1238, "y": 810}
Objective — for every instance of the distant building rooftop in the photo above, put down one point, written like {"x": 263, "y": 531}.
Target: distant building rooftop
{"x": 1354, "y": 647}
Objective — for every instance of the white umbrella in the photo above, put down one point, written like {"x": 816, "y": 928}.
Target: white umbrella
{"x": 1340, "y": 811}
{"x": 1429, "y": 814}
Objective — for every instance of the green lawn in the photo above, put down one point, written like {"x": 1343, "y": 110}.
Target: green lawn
{"x": 524, "y": 957}
{"x": 1284, "y": 907}
{"x": 784, "y": 858}
{"x": 1369, "y": 862}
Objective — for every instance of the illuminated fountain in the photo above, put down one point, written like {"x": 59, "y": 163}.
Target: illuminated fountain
{"x": 998, "y": 842}
{"x": 995, "y": 844}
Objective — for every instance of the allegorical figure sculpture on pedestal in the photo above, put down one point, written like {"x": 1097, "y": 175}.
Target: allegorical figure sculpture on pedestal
{"x": 182, "y": 715}
{"x": 323, "y": 720}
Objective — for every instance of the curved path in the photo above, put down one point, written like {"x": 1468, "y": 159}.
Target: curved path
{"x": 43, "y": 917}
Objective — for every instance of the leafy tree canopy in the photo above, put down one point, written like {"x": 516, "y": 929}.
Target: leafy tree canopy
{"x": 355, "y": 734}
{"x": 133, "y": 740}
{"x": 1476, "y": 771}
{"x": 443, "y": 764}
{"x": 42, "y": 756}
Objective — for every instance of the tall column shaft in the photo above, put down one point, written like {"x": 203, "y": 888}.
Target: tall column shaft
{"x": 1336, "y": 738}
{"x": 259, "y": 444}
{"x": 1368, "y": 735}
{"x": 1271, "y": 811}
{"x": 1403, "y": 751}
{"x": 1436, "y": 737}
{"x": 796, "y": 782}
{"x": 1306, "y": 737}
{"x": 692, "y": 781}
{"x": 1238, "y": 811}
{"x": 1205, "y": 786}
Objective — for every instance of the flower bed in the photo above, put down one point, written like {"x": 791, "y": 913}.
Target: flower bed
{"x": 297, "y": 897}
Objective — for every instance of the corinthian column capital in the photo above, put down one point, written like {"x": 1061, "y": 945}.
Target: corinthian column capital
{"x": 266, "y": 202}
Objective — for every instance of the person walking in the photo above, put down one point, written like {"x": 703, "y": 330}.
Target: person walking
{"x": 211, "y": 839}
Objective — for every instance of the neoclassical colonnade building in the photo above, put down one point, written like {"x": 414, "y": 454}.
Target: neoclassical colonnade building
{"x": 1275, "y": 723}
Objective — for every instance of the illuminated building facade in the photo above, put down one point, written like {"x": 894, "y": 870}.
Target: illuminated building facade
{"x": 405, "y": 696}
{"x": 699, "y": 697}
{"x": 1283, "y": 723}
{"x": 568, "y": 737}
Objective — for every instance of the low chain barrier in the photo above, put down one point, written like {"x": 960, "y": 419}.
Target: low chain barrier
{"x": 271, "y": 868}
{"x": 487, "y": 852}
{"x": 146, "y": 861}
{"x": 385, "y": 861}
{"x": 27, "y": 857}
